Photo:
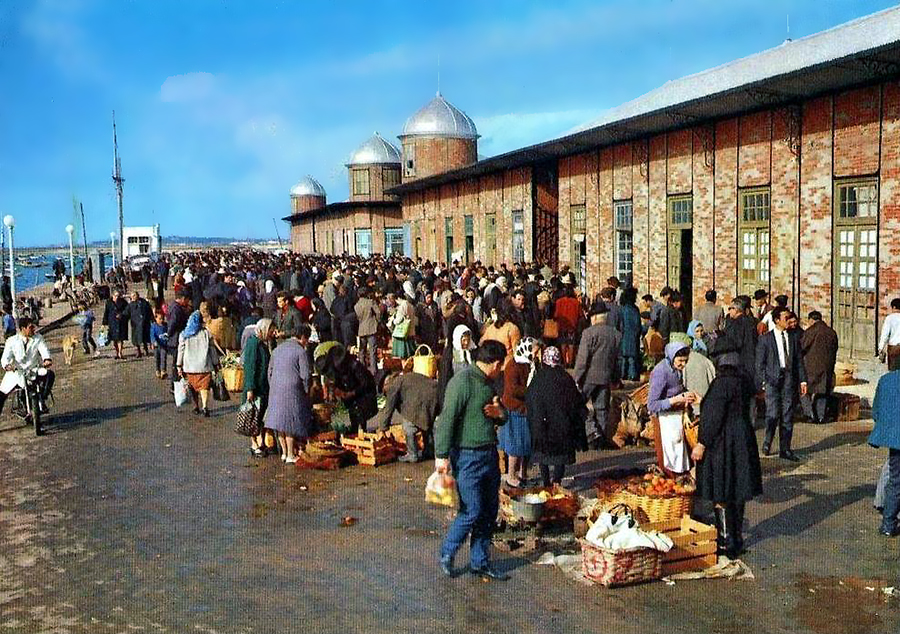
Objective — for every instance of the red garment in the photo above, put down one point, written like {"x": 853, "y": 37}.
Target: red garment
{"x": 567, "y": 313}
{"x": 304, "y": 306}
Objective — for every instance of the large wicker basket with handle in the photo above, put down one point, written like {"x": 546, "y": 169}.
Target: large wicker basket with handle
{"x": 620, "y": 568}
{"x": 658, "y": 509}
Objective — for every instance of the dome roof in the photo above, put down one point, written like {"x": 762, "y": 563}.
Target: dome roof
{"x": 440, "y": 118}
{"x": 375, "y": 151}
{"x": 308, "y": 186}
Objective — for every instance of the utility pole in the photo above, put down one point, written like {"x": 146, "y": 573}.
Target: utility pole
{"x": 83, "y": 233}
{"x": 280, "y": 245}
{"x": 119, "y": 181}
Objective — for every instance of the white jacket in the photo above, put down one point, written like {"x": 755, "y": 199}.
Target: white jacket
{"x": 24, "y": 355}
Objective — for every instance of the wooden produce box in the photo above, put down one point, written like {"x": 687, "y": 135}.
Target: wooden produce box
{"x": 695, "y": 545}
{"x": 399, "y": 436}
{"x": 847, "y": 407}
{"x": 371, "y": 449}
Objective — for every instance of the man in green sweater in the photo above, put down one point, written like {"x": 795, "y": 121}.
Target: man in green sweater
{"x": 466, "y": 440}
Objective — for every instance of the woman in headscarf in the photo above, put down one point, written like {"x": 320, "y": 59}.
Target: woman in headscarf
{"x": 556, "y": 412}
{"x": 269, "y": 300}
{"x": 290, "y": 411}
{"x": 699, "y": 337}
{"x": 667, "y": 400}
{"x": 256, "y": 376}
{"x": 728, "y": 469}
{"x": 115, "y": 317}
{"x": 456, "y": 357}
{"x": 403, "y": 325}
{"x": 321, "y": 320}
{"x": 515, "y": 436}
{"x": 197, "y": 359}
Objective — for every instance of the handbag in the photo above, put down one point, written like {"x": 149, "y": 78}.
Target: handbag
{"x": 425, "y": 364}
{"x": 551, "y": 329}
{"x": 219, "y": 390}
{"x": 248, "y": 419}
{"x": 401, "y": 330}
{"x": 691, "y": 428}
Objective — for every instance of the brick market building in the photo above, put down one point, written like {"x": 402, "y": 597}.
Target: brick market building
{"x": 370, "y": 221}
{"x": 778, "y": 171}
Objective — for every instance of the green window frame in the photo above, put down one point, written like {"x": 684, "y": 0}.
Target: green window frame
{"x": 754, "y": 239}
{"x": 448, "y": 238}
{"x": 518, "y": 236}
{"x": 360, "y": 182}
{"x": 624, "y": 245}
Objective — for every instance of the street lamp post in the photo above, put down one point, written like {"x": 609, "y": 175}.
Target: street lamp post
{"x": 112, "y": 239}
{"x": 70, "y": 230}
{"x": 10, "y": 222}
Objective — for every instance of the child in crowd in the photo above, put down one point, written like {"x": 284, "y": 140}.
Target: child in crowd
{"x": 9, "y": 325}
{"x": 86, "y": 320}
{"x": 158, "y": 338}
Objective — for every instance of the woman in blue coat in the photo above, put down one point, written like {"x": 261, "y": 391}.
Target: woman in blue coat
{"x": 886, "y": 412}
{"x": 629, "y": 324}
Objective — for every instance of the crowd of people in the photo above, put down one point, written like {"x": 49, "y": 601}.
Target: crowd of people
{"x": 527, "y": 365}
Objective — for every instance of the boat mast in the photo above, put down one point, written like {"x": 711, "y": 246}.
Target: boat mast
{"x": 83, "y": 234}
{"x": 119, "y": 181}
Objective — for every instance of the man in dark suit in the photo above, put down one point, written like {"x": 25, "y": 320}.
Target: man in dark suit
{"x": 596, "y": 370}
{"x": 779, "y": 367}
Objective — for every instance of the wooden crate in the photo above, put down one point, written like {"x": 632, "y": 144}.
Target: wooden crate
{"x": 695, "y": 545}
{"x": 399, "y": 436}
{"x": 847, "y": 407}
{"x": 371, "y": 449}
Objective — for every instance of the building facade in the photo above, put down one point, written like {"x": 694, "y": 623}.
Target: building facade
{"x": 141, "y": 240}
{"x": 777, "y": 171}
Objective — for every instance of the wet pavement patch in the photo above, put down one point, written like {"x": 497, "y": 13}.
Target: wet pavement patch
{"x": 840, "y": 605}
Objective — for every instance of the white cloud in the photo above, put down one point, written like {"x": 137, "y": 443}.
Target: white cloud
{"x": 55, "y": 28}
{"x": 187, "y": 87}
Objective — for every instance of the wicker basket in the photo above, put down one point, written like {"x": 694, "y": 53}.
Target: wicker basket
{"x": 317, "y": 450}
{"x": 620, "y": 568}
{"x": 658, "y": 509}
{"x": 234, "y": 379}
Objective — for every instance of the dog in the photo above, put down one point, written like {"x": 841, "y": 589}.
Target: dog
{"x": 69, "y": 345}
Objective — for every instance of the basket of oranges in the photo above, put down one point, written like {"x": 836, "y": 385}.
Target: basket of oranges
{"x": 662, "y": 498}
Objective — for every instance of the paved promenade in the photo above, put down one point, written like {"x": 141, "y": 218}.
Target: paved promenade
{"x": 132, "y": 516}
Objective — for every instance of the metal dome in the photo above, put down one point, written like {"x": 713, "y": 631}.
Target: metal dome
{"x": 375, "y": 151}
{"x": 440, "y": 118}
{"x": 308, "y": 186}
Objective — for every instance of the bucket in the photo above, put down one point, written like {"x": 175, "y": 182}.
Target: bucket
{"x": 528, "y": 511}
{"x": 425, "y": 364}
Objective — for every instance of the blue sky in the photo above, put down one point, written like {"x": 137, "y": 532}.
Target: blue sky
{"x": 223, "y": 105}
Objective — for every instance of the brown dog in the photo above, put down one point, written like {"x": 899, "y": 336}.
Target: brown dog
{"x": 69, "y": 345}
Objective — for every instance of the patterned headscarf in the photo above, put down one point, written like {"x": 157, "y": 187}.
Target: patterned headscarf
{"x": 552, "y": 357}
{"x": 524, "y": 353}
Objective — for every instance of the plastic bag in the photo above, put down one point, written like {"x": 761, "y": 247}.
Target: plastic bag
{"x": 103, "y": 339}
{"x": 181, "y": 392}
{"x": 441, "y": 489}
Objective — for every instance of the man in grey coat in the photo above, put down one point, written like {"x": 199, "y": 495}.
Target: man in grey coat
{"x": 368, "y": 314}
{"x": 596, "y": 370}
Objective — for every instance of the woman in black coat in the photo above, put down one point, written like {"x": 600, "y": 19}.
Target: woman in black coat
{"x": 727, "y": 456}
{"x": 115, "y": 317}
{"x": 556, "y": 412}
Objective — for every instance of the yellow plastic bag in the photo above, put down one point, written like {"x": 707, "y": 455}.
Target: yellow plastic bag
{"x": 441, "y": 489}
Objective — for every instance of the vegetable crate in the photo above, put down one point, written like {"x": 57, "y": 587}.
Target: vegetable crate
{"x": 371, "y": 449}
{"x": 695, "y": 545}
{"x": 396, "y": 432}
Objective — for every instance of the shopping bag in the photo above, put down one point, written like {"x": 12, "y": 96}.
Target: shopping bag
{"x": 248, "y": 419}
{"x": 401, "y": 329}
{"x": 551, "y": 329}
{"x": 219, "y": 390}
{"x": 441, "y": 489}
{"x": 103, "y": 338}
{"x": 180, "y": 389}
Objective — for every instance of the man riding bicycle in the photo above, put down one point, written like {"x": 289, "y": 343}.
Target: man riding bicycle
{"x": 23, "y": 352}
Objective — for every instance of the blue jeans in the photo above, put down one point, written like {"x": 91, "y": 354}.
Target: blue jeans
{"x": 477, "y": 473}
{"x": 892, "y": 492}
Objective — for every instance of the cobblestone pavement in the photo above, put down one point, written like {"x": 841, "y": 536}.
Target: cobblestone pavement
{"x": 132, "y": 516}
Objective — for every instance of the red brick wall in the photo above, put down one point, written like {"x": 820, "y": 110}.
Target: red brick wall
{"x": 434, "y": 155}
{"x": 658, "y": 246}
{"x": 640, "y": 172}
{"x": 856, "y": 132}
{"x": 622, "y": 171}
{"x": 815, "y": 208}
{"x": 678, "y": 170}
{"x": 889, "y": 222}
{"x": 703, "y": 225}
{"x": 783, "y": 270}
{"x": 601, "y": 225}
{"x": 565, "y": 218}
{"x": 302, "y": 204}
{"x": 754, "y": 159}
{"x": 725, "y": 280}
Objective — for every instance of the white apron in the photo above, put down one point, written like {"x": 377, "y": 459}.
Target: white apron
{"x": 675, "y": 449}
